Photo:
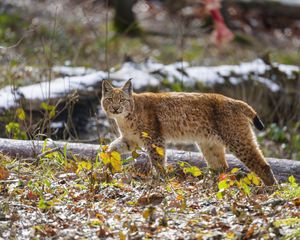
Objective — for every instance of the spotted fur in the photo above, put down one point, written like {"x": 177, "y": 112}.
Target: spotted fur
{"x": 213, "y": 121}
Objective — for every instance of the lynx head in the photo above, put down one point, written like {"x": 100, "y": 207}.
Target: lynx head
{"x": 117, "y": 102}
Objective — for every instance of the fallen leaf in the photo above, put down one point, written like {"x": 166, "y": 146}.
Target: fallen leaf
{"x": 4, "y": 174}
{"x": 297, "y": 202}
{"x": 154, "y": 198}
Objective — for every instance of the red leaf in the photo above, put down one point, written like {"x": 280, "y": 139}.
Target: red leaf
{"x": 223, "y": 176}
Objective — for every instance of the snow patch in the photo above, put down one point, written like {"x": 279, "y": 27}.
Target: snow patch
{"x": 72, "y": 71}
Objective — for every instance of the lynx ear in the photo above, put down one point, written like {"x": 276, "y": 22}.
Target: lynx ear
{"x": 128, "y": 87}
{"x": 106, "y": 86}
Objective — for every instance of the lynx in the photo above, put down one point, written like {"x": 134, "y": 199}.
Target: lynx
{"x": 213, "y": 121}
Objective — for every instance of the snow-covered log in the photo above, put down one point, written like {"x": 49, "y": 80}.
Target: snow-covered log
{"x": 145, "y": 75}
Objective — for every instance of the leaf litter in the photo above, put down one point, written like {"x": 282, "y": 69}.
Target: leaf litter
{"x": 59, "y": 198}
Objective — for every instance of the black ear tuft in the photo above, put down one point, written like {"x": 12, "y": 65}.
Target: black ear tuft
{"x": 106, "y": 86}
{"x": 128, "y": 87}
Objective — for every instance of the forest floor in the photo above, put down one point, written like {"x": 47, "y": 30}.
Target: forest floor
{"x": 61, "y": 199}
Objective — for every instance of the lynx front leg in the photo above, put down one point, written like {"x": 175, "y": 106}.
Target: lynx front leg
{"x": 214, "y": 154}
{"x": 121, "y": 145}
{"x": 156, "y": 151}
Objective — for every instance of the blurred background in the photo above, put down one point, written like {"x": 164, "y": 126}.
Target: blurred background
{"x": 37, "y": 35}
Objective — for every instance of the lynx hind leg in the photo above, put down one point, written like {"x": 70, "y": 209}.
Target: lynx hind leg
{"x": 245, "y": 147}
{"x": 214, "y": 154}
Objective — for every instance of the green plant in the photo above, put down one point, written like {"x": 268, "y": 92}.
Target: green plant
{"x": 188, "y": 169}
{"x": 14, "y": 130}
{"x": 229, "y": 184}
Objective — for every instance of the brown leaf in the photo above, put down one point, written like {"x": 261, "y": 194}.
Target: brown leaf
{"x": 153, "y": 198}
{"x": 103, "y": 232}
{"x": 250, "y": 232}
{"x": 50, "y": 231}
{"x": 4, "y": 174}
{"x": 297, "y": 202}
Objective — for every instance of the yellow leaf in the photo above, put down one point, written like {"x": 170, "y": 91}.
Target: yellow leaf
{"x": 180, "y": 197}
{"x": 222, "y": 185}
{"x": 159, "y": 150}
{"x": 219, "y": 195}
{"x": 88, "y": 165}
{"x": 250, "y": 176}
{"x": 231, "y": 182}
{"x": 52, "y": 113}
{"x": 84, "y": 166}
{"x": 230, "y": 235}
{"x": 146, "y": 213}
{"x": 104, "y": 157}
{"x": 95, "y": 222}
{"x": 135, "y": 154}
{"x": 234, "y": 170}
{"x": 116, "y": 161}
{"x": 116, "y": 155}
{"x": 122, "y": 236}
{"x": 256, "y": 180}
{"x": 195, "y": 171}
{"x": 145, "y": 135}
{"x": 104, "y": 148}
{"x": 246, "y": 180}
{"x": 21, "y": 114}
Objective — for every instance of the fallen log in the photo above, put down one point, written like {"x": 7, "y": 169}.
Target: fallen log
{"x": 270, "y": 8}
{"x": 282, "y": 168}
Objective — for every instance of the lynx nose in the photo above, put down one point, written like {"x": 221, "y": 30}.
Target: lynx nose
{"x": 115, "y": 108}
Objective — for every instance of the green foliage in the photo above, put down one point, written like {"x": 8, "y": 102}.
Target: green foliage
{"x": 292, "y": 222}
{"x": 287, "y": 221}
{"x": 13, "y": 130}
{"x": 188, "y": 169}
{"x": 10, "y": 24}
{"x": 50, "y": 109}
{"x": 21, "y": 114}
{"x": 290, "y": 190}
{"x": 229, "y": 184}
{"x": 286, "y": 141}
{"x": 45, "y": 204}
{"x": 276, "y": 133}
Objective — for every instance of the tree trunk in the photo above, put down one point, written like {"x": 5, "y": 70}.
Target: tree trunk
{"x": 282, "y": 168}
{"x": 125, "y": 20}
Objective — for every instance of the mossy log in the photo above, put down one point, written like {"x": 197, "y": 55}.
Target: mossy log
{"x": 23, "y": 149}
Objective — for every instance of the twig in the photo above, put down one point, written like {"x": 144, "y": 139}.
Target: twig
{"x": 56, "y": 149}
{"x": 106, "y": 40}
{"x": 9, "y": 181}
{"x": 19, "y": 41}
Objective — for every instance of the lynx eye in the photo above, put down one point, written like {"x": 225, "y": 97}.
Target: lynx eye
{"x": 109, "y": 99}
{"x": 123, "y": 100}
